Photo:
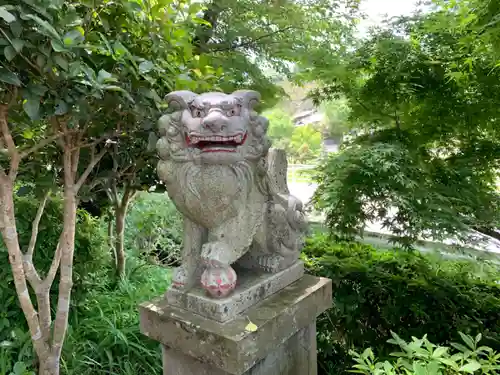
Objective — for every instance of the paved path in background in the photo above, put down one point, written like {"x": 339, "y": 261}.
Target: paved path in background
{"x": 304, "y": 191}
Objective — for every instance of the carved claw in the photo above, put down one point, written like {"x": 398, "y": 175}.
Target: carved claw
{"x": 180, "y": 278}
{"x": 216, "y": 254}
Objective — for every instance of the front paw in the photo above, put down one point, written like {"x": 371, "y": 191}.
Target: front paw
{"x": 216, "y": 254}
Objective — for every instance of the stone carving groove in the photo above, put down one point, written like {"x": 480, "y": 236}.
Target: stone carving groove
{"x": 219, "y": 170}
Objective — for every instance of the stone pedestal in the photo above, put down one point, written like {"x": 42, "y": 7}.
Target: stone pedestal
{"x": 282, "y": 342}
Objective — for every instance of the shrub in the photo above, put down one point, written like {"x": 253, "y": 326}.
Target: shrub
{"x": 420, "y": 356}
{"x": 376, "y": 292}
{"x": 91, "y": 262}
{"x": 104, "y": 336}
{"x": 154, "y": 228}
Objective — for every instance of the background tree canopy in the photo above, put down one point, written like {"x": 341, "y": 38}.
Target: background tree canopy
{"x": 425, "y": 105}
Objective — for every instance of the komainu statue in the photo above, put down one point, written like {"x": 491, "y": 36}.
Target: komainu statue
{"x": 231, "y": 188}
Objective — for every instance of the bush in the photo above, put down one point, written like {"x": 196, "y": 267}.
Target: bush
{"x": 376, "y": 292}
{"x": 420, "y": 356}
{"x": 154, "y": 228}
{"x": 104, "y": 336}
{"x": 103, "y": 333}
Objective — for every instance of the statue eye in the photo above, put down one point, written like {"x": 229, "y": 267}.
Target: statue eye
{"x": 196, "y": 112}
{"x": 233, "y": 112}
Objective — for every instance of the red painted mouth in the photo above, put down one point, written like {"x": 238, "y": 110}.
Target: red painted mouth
{"x": 216, "y": 143}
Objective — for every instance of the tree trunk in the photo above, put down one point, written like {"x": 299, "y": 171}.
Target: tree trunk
{"x": 119, "y": 242}
{"x": 111, "y": 243}
{"x": 48, "y": 366}
{"x": 120, "y": 216}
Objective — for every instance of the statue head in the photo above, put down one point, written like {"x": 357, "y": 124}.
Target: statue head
{"x": 213, "y": 128}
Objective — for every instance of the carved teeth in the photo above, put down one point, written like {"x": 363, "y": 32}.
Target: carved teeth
{"x": 194, "y": 139}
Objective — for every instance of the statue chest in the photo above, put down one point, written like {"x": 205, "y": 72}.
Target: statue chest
{"x": 212, "y": 194}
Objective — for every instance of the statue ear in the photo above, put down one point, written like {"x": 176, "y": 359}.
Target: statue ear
{"x": 249, "y": 98}
{"x": 179, "y": 100}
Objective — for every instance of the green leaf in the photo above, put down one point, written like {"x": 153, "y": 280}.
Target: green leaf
{"x": 9, "y": 53}
{"x": 419, "y": 369}
{"x": 17, "y": 44}
{"x": 9, "y": 77}
{"x": 478, "y": 338}
{"x": 47, "y": 27}
{"x": 28, "y": 134}
{"x": 36, "y": 89}
{"x": 61, "y": 107}
{"x": 119, "y": 89}
{"x": 104, "y": 76}
{"x": 6, "y": 15}
{"x": 119, "y": 49}
{"x": 471, "y": 367}
{"x": 439, "y": 352}
{"x": 16, "y": 28}
{"x": 468, "y": 340}
{"x": 40, "y": 61}
{"x": 31, "y": 106}
{"x": 146, "y": 66}
{"x": 62, "y": 62}
{"x": 152, "y": 140}
{"x": 57, "y": 45}
{"x": 73, "y": 37}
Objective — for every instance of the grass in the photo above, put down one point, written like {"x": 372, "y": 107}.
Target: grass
{"x": 104, "y": 336}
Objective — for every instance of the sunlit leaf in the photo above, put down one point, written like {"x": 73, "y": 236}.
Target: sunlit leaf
{"x": 6, "y": 15}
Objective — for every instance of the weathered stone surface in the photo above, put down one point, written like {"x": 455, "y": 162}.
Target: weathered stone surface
{"x": 231, "y": 189}
{"x": 296, "y": 356}
{"x": 228, "y": 347}
{"x": 253, "y": 286}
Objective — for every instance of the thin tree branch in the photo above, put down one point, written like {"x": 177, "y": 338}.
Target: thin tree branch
{"x": 86, "y": 173}
{"x": 95, "y": 142}
{"x": 34, "y": 227}
{"x": 41, "y": 145}
{"x": 9, "y": 141}
{"x": 251, "y": 42}
{"x": 54, "y": 266}
{"x": 29, "y": 268}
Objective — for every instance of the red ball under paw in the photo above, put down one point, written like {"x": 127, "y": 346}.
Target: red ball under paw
{"x": 219, "y": 282}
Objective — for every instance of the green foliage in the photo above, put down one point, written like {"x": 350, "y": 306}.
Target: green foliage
{"x": 91, "y": 262}
{"x": 104, "y": 336}
{"x": 336, "y": 114}
{"x": 303, "y": 144}
{"x": 306, "y": 144}
{"x": 281, "y": 128}
{"x": 154, "y": 228}
{"x": 91, "y": 254}
{"x": 248, "y": 36}
{"x": 420, "y": 356}
{"x": 428, "y": 195}
{"x": 426, "y": 142}
{"x": 376, "y": 292}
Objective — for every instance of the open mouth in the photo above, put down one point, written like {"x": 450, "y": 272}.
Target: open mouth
{"x": 216, "y": 143}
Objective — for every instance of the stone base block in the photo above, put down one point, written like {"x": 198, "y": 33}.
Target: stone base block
{"x": 253, "y": 286}
{"x": 283, "y": 342}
